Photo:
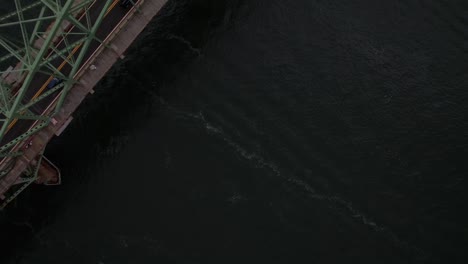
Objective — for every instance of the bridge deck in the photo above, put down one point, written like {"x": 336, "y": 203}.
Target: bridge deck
{"x": 103, "y": 57}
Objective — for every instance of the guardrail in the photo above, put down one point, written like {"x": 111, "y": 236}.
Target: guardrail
{"x": 82, "y": 89}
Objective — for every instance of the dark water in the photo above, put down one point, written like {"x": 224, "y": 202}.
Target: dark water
{"x": 268, "y": 131}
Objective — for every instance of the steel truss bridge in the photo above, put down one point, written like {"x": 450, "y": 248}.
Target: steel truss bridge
{"x": 43, "y": 46}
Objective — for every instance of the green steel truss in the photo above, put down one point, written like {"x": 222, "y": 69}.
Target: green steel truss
{"x": 41, "y": 40}
{"x": 27, "y": 178}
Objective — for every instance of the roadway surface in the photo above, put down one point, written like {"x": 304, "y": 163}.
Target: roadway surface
{"x": 40, "y": 81}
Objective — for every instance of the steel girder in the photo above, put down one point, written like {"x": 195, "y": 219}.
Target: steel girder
{"x": 40, "y": 41}
{"x": 27, "y": 178}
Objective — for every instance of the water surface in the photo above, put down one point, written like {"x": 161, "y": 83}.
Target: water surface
{"x": 262, "y": 131}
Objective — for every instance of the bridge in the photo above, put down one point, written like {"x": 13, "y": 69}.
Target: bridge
{"x": 52, "y": 54}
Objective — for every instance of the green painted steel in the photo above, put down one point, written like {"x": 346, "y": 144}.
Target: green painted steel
{"x": 39, "y": 41}
{"x": 32, "y": 39}
{"x": 29, "y": 176}
{"x": 91, "y": 37}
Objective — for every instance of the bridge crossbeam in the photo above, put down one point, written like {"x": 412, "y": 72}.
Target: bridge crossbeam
{"x": 42, "y": 47}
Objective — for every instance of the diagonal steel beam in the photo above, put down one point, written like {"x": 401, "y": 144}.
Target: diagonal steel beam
{"x": 30, "y": 132}
{"x": 36, "y": 65}
{"x": 37, "y": 26}
{"x": 15, "y": 53}
{"x": 41, "y": 97}
{"x": 82, "y": 54}
{"x": 24, "y": 32}
{"x": 26, "y": 8}
{"x": 32, "y": 20}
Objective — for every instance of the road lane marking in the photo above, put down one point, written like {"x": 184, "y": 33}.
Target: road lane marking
{"x": 59, "y": 68}
{"x": 111, "y": 7}
{"x": 60, "y": 42}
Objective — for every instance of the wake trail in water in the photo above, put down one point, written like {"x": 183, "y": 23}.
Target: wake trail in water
{"x": 186, "y": 43}
{"x": 336, "y": 202}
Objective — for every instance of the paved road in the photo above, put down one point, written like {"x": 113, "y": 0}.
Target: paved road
{"x": 40, "y": 81}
